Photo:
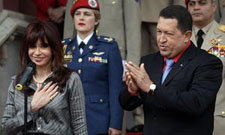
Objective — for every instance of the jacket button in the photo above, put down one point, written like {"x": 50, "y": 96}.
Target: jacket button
{"x": 80, "y": 60}
{"x": 79, "y": 71}
{"x": 101, "y": 100}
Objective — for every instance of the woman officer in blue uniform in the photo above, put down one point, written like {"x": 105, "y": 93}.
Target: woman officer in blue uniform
{"x": 98, "y": 61}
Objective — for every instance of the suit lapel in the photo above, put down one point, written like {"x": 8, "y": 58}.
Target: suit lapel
{"x": 155, "y": 69}
{"x": 189, "y": 54}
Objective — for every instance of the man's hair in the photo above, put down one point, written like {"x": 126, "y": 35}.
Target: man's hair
{"x": 181, "y": 14}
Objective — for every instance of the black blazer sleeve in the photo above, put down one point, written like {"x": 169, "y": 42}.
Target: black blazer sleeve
{"x": 129, "y": 102}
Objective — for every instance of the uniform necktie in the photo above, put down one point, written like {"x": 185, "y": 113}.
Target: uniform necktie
{"x": 81, "y": 47}
{"x": 200, "y": 39}
{"x": 169, "y": 63}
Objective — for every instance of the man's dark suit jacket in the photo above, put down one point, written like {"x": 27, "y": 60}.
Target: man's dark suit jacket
{"x": 184, "y": 104}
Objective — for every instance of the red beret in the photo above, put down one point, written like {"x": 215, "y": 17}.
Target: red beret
{"x": 186, "y": 2}
{"x": 92, "y": 4}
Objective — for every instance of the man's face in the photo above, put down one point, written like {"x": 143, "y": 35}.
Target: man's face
{"x": 171, "y": 41}
{"x": 201, "y": 11}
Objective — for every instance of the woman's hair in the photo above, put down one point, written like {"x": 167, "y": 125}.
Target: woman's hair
{"x": 97, "y": 17}
{"x": 43, "y": 30}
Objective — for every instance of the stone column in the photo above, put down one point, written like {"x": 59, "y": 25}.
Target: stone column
{"x": 1, "y": 5}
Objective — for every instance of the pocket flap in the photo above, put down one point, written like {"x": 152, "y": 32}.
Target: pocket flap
{"x": 99, "y": 98}
{"x": 220, "y": 113}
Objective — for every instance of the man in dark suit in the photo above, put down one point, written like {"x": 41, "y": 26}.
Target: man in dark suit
{"x": 178, "y": 85}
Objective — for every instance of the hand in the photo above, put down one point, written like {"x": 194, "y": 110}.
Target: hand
{"x": 113, "y": 131}
{"x": 43, "y": 96}
{"x": 140, "y": 76}
{"x": 131, "y": 84}
{"x": 56, "y": 14}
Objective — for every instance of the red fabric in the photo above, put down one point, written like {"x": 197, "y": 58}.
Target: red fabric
{"x": 43, "y": 5}
{"x": 181, "y": 53}
{"x": 132, "y": 94}
{"x": 84, "y": 4}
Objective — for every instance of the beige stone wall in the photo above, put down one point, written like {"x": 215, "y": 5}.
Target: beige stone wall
{"x": 1, "y": 5}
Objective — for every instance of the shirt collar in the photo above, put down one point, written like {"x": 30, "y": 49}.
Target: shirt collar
{"x": 79, "y": 40}
{"x": 180, "y": 54}
{"x": 204, "y": 29}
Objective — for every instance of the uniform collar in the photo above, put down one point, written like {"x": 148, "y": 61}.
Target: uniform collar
{"x": 204, "y": 29}
{"x": 79, "y": 40}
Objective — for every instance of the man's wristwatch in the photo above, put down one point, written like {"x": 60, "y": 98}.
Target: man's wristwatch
{"x": 152, "y": 88}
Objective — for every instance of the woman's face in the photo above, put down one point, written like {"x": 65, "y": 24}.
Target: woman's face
{"x": 40, "y": 54}
{"x": 84, "y": 20}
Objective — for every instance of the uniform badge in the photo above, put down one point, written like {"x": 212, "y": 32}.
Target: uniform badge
{"x": 108, "y": 39}
{"x": 222, "y": 28}
{"x": 73, "y": 48}
{"x": 96, "y": 31}
{"x": 64, "y": 49}
{"x": 91, "y": 47}
{"x": 69, "y": 53}
{"x": 97, "y": 59}
{"x": 218, "y": 49}
{"x": 68, "y": 56}
{"x": 92, "y": 3}
{"x": 99, "y": 53}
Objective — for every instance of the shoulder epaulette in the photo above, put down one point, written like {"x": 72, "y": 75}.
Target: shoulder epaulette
{"x": 105, "y": 39}
{"x": 66, "y": 41}
{"x": 222, "y": 28}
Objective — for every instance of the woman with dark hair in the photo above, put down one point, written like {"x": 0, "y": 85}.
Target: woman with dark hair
{"x": 98, "y": 62}
{"x": 55, "y": 93}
